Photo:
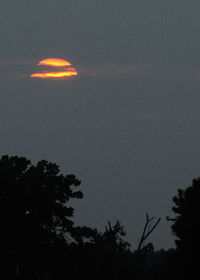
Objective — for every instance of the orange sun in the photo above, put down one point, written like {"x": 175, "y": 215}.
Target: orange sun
{"x": 62, "y": 72}
{"x": 54, "y": 62}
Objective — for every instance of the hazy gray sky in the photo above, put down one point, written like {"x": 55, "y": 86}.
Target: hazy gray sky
{"x": 128, "y": 126}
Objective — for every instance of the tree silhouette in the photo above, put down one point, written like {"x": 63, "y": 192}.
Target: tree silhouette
{"x": 148, "y": 229}
{"x": 186, "y": 225}
{"x": 111, "y": 240}
{"x": 106, "y": 252}
{"x": 38, "y": 239}
{"x": 34, "y": 211}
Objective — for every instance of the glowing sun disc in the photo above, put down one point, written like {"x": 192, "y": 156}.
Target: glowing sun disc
{"x": 60, "y": 69}
{"x": 54, "y": 62}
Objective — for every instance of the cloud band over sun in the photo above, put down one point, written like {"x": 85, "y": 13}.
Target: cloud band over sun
{"x": 56, "y": 68}
{"x": 62, "y": 70}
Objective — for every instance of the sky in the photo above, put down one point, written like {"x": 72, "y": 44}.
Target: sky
{"x": 128, "y": 125}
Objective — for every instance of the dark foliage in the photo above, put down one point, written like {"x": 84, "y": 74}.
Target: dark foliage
{"x": 34, "y": 212}
{"x": 37, "y": 233}
{"x": 101, "y": 257}
{"x": 38, "y": 239}
{"x": 33, "y": 201}
{"x": 186, "y": 225}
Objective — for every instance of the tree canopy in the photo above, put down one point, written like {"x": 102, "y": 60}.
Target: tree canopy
{"x": 34, "y": 202}
{"x": 186, "y": 225}
{"x": 37, "y": 229}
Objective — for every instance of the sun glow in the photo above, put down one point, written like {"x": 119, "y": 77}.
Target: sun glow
{"x": 54, "y": 74}
{"x": 54, "y": 62}
{"x": 61, "y": 72}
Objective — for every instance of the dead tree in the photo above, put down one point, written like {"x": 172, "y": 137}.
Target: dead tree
{"x": 148, "y": 229}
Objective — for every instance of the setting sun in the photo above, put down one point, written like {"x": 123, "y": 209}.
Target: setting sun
{"x": 54, "y": 62}
{"x": 62, "y": 70}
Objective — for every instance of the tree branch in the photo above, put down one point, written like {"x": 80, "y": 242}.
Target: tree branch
{"x": 146, "y": 232}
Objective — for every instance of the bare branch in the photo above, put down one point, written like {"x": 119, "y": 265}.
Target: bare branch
{"x": 148, "y": 229}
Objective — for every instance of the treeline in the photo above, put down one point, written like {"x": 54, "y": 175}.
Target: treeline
{"x": 39, "y": 240}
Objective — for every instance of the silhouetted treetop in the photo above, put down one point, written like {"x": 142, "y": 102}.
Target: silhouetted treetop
{"x": 112, "y": 239}
{"x": 33, "y": 201}
{"x": 186, "y": 225}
